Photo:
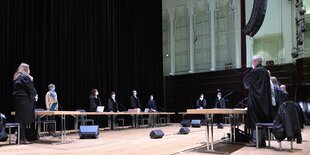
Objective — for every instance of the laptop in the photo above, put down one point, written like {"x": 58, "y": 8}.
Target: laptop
{"x": 146, "y": 110}
{"x": 100, "y": 108}
{"x": 53, "y": 107}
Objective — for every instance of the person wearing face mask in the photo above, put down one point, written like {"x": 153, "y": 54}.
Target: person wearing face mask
{"x": 51, "y": 97}
{"x": 219, "y": 103}
{"x": 94, "y": 100}
{"x": 134, "y": 100}
{"x": 25, "y": 96}
{"x": 201, "y": 102}
{"x": 112, "y": 103}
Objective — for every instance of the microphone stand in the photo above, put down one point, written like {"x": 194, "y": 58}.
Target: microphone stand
{"x": 123, "y": 107}
{"x": 241, "y": 103}
{"x": 222, "y": 98}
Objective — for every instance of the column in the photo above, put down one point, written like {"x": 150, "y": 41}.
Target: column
{"x": 172, "y": 41}
{"x": 236, "y": 14}
{"x": 212, "y": 6}
{"x": 191, "y": 12}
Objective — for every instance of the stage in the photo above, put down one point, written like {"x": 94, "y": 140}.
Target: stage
{"x": 137, "y": 141}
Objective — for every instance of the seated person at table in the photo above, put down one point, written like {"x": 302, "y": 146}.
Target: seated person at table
{"x": 112, "y": 103}
{"x": 219, "y": 103}
{"x": 94, "y": 100}
{"x": 50, "y": 98}
{"x": 134, "y": 100}
{"x": 201, "y": 102}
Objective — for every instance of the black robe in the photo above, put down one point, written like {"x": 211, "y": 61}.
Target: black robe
{"x": 220, "y": 103}
{"x": 152, "y": 104}
{"x": 134, "y": 102}
{"x": 201, "y": 103}
{"x": 24, "y": 93}
{"x": 94, "y": 103}
{"x": 259, "y": 103}
{"x": 112, "y": 105}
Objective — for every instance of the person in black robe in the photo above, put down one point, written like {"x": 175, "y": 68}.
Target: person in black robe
{"x": 152, "y": 106}
{"x": 113, "y": 107}
{"x": 219, "y": 103}
{"x": 25, "y": 96}
{"x": 112, "y": 103}
{"x": 259, "y": 104}
{"x": 134, "y": 100}
{"x": 201, "y": 102}
{"x": 283, "y": 95}
{"x": 94, "y": 100}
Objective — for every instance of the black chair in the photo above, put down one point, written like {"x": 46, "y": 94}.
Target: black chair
{"x": 45, "y": 121}
{"x": 82, "y": 119}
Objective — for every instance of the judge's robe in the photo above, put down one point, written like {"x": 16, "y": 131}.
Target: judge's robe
{"x": 257, "y": 81}
{"x": 24, "y": 93}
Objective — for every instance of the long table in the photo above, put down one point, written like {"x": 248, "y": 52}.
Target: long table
{"x": 63, "y": 114}
{"x": 135, "y": 116}
{"x": 209, "y": 113}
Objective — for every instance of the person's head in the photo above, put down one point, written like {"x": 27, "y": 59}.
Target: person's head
{"x": 257, "y": 60}
{"x": 51, "y": 87}
{"x": 283, "y": 88}
{"x": 201, "y": 96}
{"x": 219, "y": 94}
{"x": 22, "y": 68}
{"x": 94, "y": 92}
{"x": 151, "y": 97}
{"x": 113, "y": 95}
{"x": 134, "y": 93}
{"x": 274, "y": 81}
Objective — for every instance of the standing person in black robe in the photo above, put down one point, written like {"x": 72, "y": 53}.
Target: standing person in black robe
{"x": 201, "y": 102}
{"x": 94, "y": 100}
{"x": 283, "y": 95}
{"x": 25, "y": 96}
{"x": 220, "y": 103}
{"x": 152, "y": 106}
{"x": 134, "y": 100}
{"x": 113, "y": 107}
{"x": 259, "y": 104}
{"x": 112, "y": 103}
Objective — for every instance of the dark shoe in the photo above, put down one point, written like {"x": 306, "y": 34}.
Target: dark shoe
{"x": 25, "y": 142}
{"x": 250, "y": 145}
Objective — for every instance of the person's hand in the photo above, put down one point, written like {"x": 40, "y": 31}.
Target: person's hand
{"x": 36, "y": 98}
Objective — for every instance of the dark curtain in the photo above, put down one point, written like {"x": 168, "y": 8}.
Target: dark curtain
{"x": 111, "y": 45}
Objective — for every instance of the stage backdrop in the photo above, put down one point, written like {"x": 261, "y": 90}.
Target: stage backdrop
{"x": 111, "y": 45}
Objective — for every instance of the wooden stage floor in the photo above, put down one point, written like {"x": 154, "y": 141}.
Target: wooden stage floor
{"x": 137, "y": 141}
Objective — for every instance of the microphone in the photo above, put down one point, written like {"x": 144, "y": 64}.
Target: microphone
{"x": 160, "y": 108}
{"x": 58, "y": 104}
{"x": 123, "y": 107}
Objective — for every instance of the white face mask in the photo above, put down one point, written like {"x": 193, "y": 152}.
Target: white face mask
{"x": 96, "y": 93}
{"x": 113, "y": 96}
{"x": 218, "y": 96}
{"x": 201, "y": 98}
{"x": 52, "y": 89}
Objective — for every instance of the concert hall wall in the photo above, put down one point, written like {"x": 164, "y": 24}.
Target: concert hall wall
{"x": 111, "y": 45}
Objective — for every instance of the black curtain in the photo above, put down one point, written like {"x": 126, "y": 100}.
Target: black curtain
{"x": 111, "y": 45}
